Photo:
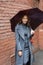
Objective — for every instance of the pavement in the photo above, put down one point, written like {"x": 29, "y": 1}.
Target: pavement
{"x": 38, "y": 58}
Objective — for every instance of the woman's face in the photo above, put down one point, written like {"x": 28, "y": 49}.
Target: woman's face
{"x": 25, "y": 19}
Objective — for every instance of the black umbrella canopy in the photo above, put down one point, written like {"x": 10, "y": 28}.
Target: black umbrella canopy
{"x": 17, "y": 18}
{"x": 35, "y": 23}
{"x": 38, "y": 16}
{"x": 36, "y": 19}
{"x": 33, "y": 13}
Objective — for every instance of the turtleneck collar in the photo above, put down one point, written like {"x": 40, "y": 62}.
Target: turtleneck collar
{"x": 24, "y": 24}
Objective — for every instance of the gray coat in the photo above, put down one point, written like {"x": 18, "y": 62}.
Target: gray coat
{"x": 23, "y": 43}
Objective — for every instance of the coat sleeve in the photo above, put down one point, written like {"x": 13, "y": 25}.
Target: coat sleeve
{"x": 17, "y": 40}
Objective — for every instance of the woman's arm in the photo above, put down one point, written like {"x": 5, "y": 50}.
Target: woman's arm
{"x": 17, "y": 39}
{"x": 19, "y": 49}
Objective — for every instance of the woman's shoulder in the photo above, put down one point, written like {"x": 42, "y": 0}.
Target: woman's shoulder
{"x": 17, "y": 26}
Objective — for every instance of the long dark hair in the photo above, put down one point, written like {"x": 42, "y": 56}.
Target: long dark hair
{"x": 28, "y": 22}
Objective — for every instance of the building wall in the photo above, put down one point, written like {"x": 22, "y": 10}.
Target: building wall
{"x": 41, "y": 37}
{"x": 9, "y": 8}
{"x": 41, "y": 5}
{"x": 41, "y": 28}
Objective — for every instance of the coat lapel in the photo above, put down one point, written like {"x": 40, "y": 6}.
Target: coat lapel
{"x": 29, "y": 32}
{"x": 21, "y": 32}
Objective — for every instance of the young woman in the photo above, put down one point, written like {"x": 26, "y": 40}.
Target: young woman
{"x": 23, "y": 44}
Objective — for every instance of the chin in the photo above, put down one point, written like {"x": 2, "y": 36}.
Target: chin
{"x": 24, "y": 23}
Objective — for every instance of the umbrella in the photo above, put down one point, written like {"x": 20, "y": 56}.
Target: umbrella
{"x": 38, "y": 16}
{"x": 36, "y": 19}
{"x": 33, "y": 13}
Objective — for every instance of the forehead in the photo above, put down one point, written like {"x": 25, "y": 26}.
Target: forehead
{"x": 25, "y": 16}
